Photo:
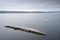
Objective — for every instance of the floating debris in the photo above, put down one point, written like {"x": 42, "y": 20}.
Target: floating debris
{"x": 26, "y": 30}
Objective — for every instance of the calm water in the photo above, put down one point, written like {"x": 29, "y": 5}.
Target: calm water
{"x": 48, "y": 23}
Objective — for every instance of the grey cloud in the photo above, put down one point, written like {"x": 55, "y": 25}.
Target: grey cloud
{"x": 30, "y": 4}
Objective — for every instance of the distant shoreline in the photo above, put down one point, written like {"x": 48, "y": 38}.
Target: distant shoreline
{"x": 27, "y": 11}
{"x": 23, "y": 12}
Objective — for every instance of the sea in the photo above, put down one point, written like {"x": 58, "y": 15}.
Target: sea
{"x": 48, "y": 23}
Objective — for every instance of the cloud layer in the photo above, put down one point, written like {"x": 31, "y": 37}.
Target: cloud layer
{"x": 30, "y": 5}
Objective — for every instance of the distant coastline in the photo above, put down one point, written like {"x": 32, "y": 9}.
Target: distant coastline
{"x": 27, "y": 11}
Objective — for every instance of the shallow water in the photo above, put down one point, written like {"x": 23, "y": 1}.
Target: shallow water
{"x": 48, "y": 23}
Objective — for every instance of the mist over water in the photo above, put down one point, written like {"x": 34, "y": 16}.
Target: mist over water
{"x": 48, "y": 23}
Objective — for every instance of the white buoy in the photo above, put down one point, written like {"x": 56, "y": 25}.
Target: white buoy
{"x": 46, "y": 20}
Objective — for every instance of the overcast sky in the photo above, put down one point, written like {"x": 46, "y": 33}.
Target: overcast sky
{"x": 30, "y": 5}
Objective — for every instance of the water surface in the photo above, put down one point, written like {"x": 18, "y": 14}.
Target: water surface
{"x": 48, "y": 23}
